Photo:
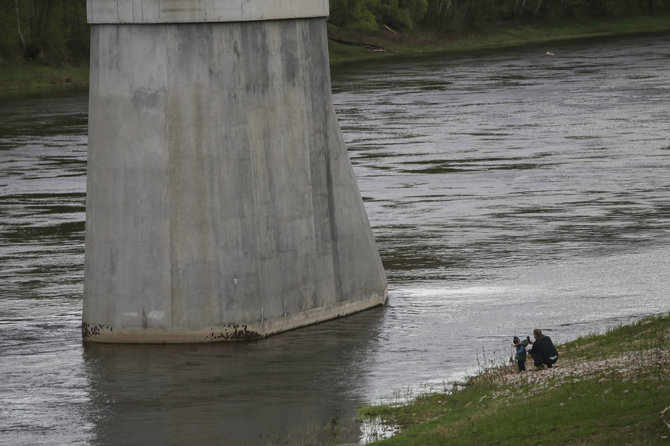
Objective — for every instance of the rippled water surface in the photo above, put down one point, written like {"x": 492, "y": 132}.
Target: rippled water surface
{"x": 507, "y": 191}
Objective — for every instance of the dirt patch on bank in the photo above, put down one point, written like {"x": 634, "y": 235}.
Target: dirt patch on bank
{"x": 627, "y": 366}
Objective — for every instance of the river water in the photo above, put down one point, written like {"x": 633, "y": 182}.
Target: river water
{"x": 507, "y": 191}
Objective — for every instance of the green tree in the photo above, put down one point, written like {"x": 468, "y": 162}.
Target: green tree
{"x": 53, "y": 31}
{"x": 354, "y": 14}
{"x": 370, "y": 14}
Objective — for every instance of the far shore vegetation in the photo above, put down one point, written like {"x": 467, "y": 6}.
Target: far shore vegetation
{"x": 45, "y": 43}
{"x": 384, "y": 44}
{"x": 605, "y": 389}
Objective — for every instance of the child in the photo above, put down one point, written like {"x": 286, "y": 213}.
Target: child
{"x": 520, "y": 350}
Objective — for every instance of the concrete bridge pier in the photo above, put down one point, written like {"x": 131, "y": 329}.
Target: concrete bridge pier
{"x": 221, "y": 202}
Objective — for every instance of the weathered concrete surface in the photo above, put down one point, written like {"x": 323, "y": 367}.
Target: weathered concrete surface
{"x": 200, "y": 11}
{"x": 221, "y": 201}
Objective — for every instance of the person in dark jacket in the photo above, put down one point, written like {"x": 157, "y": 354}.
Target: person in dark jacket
{"x": 543, "y": 351}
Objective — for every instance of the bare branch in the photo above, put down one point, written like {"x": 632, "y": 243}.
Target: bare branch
{"x": 18, "y": 24}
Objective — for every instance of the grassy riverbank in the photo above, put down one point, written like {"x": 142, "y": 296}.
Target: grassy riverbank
{"x": 605, "y": 389}
{"x": 386, "y": 44}
{"x": 17, "y": 76}
{"x": 26, "y": 76}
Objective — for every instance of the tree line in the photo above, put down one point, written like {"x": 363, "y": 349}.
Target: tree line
{"x": 55, "y": 31}
{"x": 462, "y": 15}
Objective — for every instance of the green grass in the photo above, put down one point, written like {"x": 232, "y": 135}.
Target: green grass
{"x": 22, "y": 76}
{"x": 644, "y": 334}
{"x": 590, "y": 402}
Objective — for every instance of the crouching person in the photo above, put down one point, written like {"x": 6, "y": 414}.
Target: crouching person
{"x": 543, "y": 350}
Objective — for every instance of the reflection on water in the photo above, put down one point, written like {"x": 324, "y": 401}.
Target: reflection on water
{"x": 506, "y": 190}
{"x": 234, "y": 393}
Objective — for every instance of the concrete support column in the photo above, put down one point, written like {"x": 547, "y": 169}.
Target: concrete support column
{"x": 221, "y": 202}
